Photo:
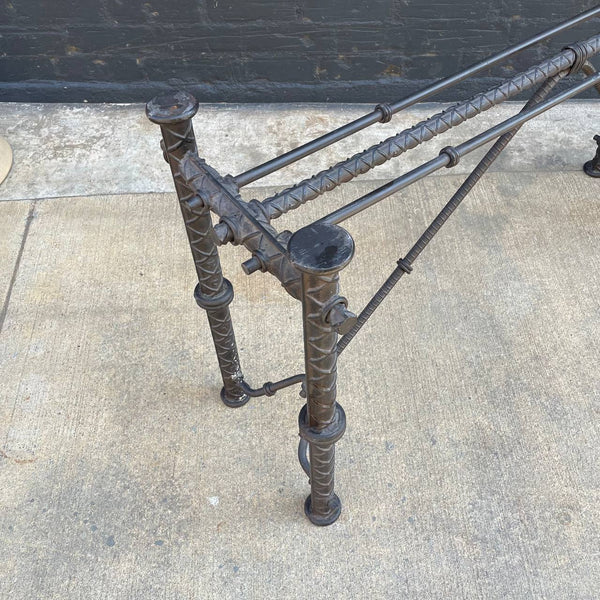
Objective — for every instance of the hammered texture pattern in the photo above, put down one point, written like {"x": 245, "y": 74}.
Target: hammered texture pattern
{"x": 221, "y": 328}
{"x": 179, "y": 139}
{"x": 198, "y": 226}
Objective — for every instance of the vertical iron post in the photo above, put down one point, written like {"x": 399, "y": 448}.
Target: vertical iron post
{"x": 174, "y": 112}
{"x": 320, "y": 252}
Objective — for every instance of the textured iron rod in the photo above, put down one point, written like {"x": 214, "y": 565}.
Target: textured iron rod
{"x": 480, "y": 170}
{"x": 320, "y": 252}
{"x": 346, "y": 130}
{"x": 344, "y": 171}
{"x": 461, "y": 150}
{"x": 174, "y": 112}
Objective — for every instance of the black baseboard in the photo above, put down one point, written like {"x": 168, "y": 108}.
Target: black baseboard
{"x": 357, "y": 91}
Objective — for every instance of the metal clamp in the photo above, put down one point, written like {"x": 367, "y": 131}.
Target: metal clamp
{"x": 452, "y": 153}
{"x": 386, "y": 112}
{"x": 327, "y": 435}
{"x": 212, "y": 302}
{"x": 404, "y": 265}
{"x": 581, "y": 56}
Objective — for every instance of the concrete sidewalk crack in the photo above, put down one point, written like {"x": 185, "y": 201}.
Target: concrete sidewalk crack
{"x": 13, "y": 278}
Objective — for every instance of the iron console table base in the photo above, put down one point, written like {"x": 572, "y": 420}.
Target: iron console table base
{"x": 308, "y": 262}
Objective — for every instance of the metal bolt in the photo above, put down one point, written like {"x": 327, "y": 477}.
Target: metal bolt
{"x": 341, "y": 319}
{"x": 252, "y": 265}
{"x": 223, "y": 233}
{"x": 194, "y": 202}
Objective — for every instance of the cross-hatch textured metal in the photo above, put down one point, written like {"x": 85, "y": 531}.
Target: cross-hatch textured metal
{"x": 394, "y": 146}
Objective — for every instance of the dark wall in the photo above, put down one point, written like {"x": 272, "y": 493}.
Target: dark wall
{"x": 261, "y": 50}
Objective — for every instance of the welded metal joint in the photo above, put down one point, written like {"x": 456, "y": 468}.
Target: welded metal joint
{"x": 258, "y": 261}
{"x": 582, "y": 54}
{"x": 386, "y": 112}
{"x": 452, "y": 153}
{"x": 246, "y": 220}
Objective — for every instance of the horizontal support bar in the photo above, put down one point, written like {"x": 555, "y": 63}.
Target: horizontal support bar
{"x": 269, "y": 388}
{"x": 377, "y": 115}
{"x": 362, "y": 162}
{"x": 444, "y": 160}
{"x": 307, "y": 149}
{"x": 405, "y": 263}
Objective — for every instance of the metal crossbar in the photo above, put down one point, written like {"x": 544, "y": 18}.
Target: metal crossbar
{"x": 308, "y": 262}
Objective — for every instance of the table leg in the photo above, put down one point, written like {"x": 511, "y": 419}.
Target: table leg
{"x": 174, "y": 112}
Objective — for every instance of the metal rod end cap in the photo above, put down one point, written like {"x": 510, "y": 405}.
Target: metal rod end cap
{"x": 321, "y": 248}
{"x": 172, "y": 107}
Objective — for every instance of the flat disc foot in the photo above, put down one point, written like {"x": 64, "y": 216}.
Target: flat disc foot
{"x": 335, "y": 508}
{"x": 233, "y": 401}
{"x": 588, "y": 169}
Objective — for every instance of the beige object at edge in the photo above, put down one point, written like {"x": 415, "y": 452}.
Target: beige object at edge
{"x": 6, "y": 159}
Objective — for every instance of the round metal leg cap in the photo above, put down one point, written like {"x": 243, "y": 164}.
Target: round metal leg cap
{"x": 233, "y": 401}
{"x": 588, "y": 168}
{"x": 172, "y": 107}
{"x": 335, "y": 508}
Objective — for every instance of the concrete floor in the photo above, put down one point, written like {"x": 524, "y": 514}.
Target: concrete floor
{"x": 470, "y": 465}
{"x": 54, "y": 143}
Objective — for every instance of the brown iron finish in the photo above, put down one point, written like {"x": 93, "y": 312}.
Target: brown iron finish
{"x": 174, "y": 112}
{"x": 308, "y": 262}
